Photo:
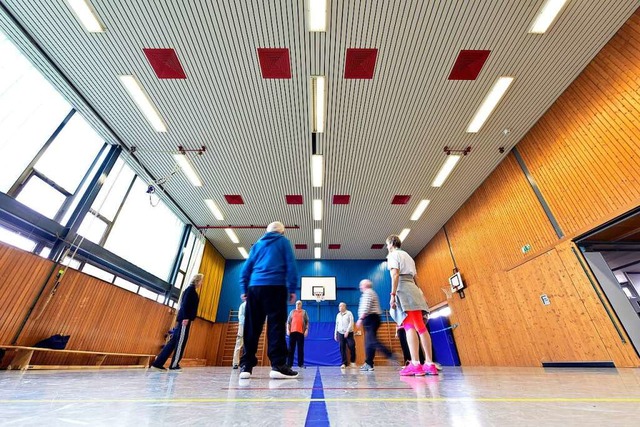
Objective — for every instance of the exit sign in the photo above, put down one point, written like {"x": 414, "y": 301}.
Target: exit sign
{"x": 526, "y": 248}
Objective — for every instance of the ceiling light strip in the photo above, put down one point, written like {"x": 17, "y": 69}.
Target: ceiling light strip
{"x": 188, "y": 169}
{"x": 243, "y": 252}
{"x": 404, "y": 233}
{"x": 317, "y": 169}
{"x": 232, "y": 235}
{"x": 317, "y": 236}
{"x": 548, "y": 13}
{"x": 445, "y": 170}
{"x": 317, "y": 210}
{"x": 417, "y": 213}
{"x": 142, "y": 100}
{"x": 489, "y": 104}
{"x": 317, "y": 103}
{"x": 317, "y": 252}
{"x": 317, "y": 15}
{"x": 86, "y": 14}
{"x": 214, "y": 209}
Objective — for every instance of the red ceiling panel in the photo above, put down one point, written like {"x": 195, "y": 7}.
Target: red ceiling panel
{"x": 301, "y": 246}
{"x": 360, "y": 63}
{"x": 400, "y": 199}
{"x": 377, "y": 246}
{"x": 468, "y": 64}
{"x": 294, "y": 199}
{"x": 274, "y": 63}
{"x": 165, "y": 63}
{"x": 334, "y": 246}
{"x": 234, "y": 199}
{"x": 341, "y": 199}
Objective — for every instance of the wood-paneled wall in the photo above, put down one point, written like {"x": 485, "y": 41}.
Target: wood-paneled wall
{"x": 97, "y": 315}
{"x": 583, "y": 154}
{"x": 212, "y": 266}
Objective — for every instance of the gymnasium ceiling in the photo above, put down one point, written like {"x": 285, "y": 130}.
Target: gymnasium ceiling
{"x": 384, "y": 136}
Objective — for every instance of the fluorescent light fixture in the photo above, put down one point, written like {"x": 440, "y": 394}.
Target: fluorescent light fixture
{"x": 548, "y": 13}
{"x": 420, "y": 209}
{"x": 317, "y": 236}
{"x": 403, "y": 234}
{"x": 214, "y": 209}
{"x": 317, "y": 210}
{"x": 445, "y": 170}
{"x": 316, "y": 252}
{"x": 317, "y": 15}
{"x": 86, "y": 15}
{"x": 243, "y": 252}
{"x": 232, "y": 235}
{"x": 490, "y": 101}
{"x": 317, "y": 168}
{"x": 188, "y": 169}
{"x": 317, "y": 104}
{"x": 142, "y": 100}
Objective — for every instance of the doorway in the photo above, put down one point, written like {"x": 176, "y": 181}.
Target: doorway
{"x": 613, "y": 254}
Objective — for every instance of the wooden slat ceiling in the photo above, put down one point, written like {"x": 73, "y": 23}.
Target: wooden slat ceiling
{"x": 384, "y": 136}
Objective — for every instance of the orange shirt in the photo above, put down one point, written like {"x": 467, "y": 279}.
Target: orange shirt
{"x": 297, "y": 321}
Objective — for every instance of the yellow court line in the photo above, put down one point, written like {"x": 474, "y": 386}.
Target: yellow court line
{"x": 345, "y": 399}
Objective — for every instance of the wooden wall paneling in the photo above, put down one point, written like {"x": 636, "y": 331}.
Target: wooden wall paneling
{"x": 212, "y": 266}
{"x": 21, "y": 277}
{"x": 436, "y": 266}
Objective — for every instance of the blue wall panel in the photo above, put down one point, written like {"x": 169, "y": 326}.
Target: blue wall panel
{"x": 348, "y": 274}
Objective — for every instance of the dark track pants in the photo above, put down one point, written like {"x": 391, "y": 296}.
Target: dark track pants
{"x": 296, "y": 339}
{"x": 371, "y": 324}
{"x": 344, "y": 343}
{"x": 268, "y": 302}
{"x": 176, "y": 345}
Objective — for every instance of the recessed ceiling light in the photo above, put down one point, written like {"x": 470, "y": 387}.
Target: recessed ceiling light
{"x": 317, "y": 167}
{"x": 317, "y": 210}
{"x": 403, "y": 234}
{"x": 445, "y": 170}
{"x": 490, "y": 102}
{"x": 317, "y": 15}
{"x": 188, "y": 169}
{"x": 317, "y": 236}
{"x": 317, "y": 252}
{"x": 548, "y": 13}
{"x": 142, "y": 100}
{"x": 317, "y": 104}
{"x": 243, "y": 252}
{"x": 214, "y": 209}
{"x": 420, "y": 209}
{"x": 232, "y": 235}
{"x": 86, "y": 15}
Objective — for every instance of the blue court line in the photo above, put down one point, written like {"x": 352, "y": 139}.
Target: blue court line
{"x": 317, "y": 415}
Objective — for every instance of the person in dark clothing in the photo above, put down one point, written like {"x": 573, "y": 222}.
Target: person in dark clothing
{"x": 186, "y": 314}
{"x": 268, "y": 280}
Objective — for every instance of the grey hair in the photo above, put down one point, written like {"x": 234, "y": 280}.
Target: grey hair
{"x": 276, "y": 226}
{"x": 197, "y": 278}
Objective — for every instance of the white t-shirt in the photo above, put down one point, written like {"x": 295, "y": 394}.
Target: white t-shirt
{"x": 402, "y": 261}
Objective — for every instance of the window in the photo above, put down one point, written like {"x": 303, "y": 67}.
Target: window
{"x": 97, "y": 272}
{"x": 30, "y": 112}
{"x": 148, "y": 236}
{"x": 125, "y": 284}
{"x": 16, "y": 239}
{"x": 148, "y": 294}
{"x": 41, "y": 197}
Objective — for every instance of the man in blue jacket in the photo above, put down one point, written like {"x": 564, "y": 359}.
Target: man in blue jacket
{"x": 186, "y": 314}
{"x": 268, "y": 280}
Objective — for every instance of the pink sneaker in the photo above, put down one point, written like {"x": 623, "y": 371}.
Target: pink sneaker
{"x": 430, "y": 369}
{"x": 412, "y": 370}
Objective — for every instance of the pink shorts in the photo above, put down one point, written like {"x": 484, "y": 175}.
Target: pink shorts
{"x": 415, "y": 321}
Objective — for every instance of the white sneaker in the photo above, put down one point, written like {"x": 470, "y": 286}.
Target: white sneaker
{"x": 343, "y": 366}
{"x": 353, "y": 365}
{"x": 282, "y": 372}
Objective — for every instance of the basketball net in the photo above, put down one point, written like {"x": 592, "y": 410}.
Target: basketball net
{"x": 319, "y": 296}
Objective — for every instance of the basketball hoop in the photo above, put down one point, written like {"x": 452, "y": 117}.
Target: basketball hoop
{"x": 319, "y": 296}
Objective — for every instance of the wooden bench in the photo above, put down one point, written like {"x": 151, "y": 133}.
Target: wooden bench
{"x": 22, "y": 358}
